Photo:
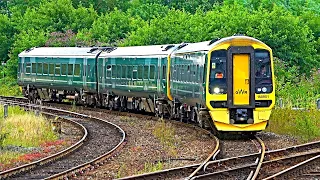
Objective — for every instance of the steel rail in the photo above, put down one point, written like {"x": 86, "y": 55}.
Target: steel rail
{"x": 268, "y": 155}
{"x": 211, "y": 156}
{"x": 95, "y": 162}
{"x": 293, "y": 168}
{"x": 263, "y": 151}
{"x": 252, "y": 165}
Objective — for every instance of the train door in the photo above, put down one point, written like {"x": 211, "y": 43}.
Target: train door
{"x": 241, "y": 77}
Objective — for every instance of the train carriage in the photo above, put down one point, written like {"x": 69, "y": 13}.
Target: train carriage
{"x": 235, "y": 87}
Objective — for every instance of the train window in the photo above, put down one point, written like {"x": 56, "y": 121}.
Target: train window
{"x": 189, "y": 75}
{"x": 164, "y": 72}
{"x": 118, "y": 71}
{"x": 114, "y": 71}
{"x": 196, "y": 74}
{"x": 124, "y": 72}
{"x": 88, "y": 71}
{"x": 57, "y": 70}
{"x": 152, "y": 72}
{"x": 179, "y": 73}
{"x": 130, "y": 71}
{"x": 263, "y": 74}
{"x": 135, "y": 72}
{"x": 140, "y": 72}
{"x": 45, "y": 68}
{"x": 39, "y": 68}
{"x": 108, "y": 70}
{"x": 77, "y": 70}
{"x": 19, "y": 68}
{"x": 262, "y": 64}
{"x": 34, "y": 68}
{"x": 218, "y": 66}
{"x": 63, "y": 69}
{"x": 146, "y": 72}
{"x": 28, "y": 68}
{"x": 174, "y": 72}
{"x": 51, "y": 69}
{"x": 70, "y": 69}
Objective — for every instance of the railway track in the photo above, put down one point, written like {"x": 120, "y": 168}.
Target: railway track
{"x": 103, "y": 140}
{"x": 238, "y": 167}
{"x": 280, "y": 163}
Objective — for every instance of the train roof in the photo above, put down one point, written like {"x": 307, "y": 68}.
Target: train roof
{"x": 159, "y": 50}
{"x": 153, "y": 50}
{"x": 208, "y": 45}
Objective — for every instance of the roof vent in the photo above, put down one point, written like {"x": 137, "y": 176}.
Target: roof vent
{"x": 104, "y": 49}
{"x": 168, "y": 47}
{"x": 213, "y": 40}
{"x": 182, "y": 45}
{"x": 28, "y": 50}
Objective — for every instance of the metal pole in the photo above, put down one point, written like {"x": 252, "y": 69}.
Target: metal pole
{"x": 5, "y": 112}
{"x": 318, "y": 104}
{"x": 280, "y": 103}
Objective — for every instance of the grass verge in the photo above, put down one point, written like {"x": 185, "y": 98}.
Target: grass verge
{"x": 22, "y": 129}
{"x": 302, "y": 124}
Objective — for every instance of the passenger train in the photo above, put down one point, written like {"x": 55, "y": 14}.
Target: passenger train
{"x": 224, "y": 84}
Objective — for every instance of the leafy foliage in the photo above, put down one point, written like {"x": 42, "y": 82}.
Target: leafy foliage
{"x": 291, "y": 28}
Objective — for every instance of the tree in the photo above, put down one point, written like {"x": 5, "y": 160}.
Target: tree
{"x": 6, "y": 33}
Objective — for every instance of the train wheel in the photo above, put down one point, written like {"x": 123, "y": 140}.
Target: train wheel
{"x": 200, "y": 121}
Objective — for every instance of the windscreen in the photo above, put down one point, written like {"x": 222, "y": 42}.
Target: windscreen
{"x": 218, "y": 73}
{"x": 263, "y": 74}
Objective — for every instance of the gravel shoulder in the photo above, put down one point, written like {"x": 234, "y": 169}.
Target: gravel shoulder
{"x": 145, "y": 151}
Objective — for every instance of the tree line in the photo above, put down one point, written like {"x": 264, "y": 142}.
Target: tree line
{"x": 290, "y": 27}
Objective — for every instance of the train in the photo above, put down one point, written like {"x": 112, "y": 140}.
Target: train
{"x": 224, "y": 84}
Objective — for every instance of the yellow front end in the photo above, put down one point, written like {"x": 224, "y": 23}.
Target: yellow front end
{"x": 241, "y": 90}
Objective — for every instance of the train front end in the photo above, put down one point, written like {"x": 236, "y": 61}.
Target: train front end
{"x": 240, "y": 86}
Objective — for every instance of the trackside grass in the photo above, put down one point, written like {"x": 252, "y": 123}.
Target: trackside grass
{"x": 303, "y": 124}
{"x": 22, "y": 129}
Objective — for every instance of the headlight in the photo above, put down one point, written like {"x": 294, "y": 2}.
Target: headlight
{"x": 216, "y": 90}
{"x": 264, "y": 89}
{"x": 259, "y": 89}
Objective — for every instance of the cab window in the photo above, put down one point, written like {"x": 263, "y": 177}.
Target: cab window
{"x": 218, "y": 73}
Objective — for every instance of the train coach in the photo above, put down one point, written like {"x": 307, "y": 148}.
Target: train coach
{"x": 225, "y": 84}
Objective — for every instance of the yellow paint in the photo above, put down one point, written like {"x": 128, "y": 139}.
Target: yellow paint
{"x": 168, "y": 80}
{"x": 241, "y": 75}
{"x": 221, "y": 115}
{"x": 221, "y": 120}
{"x": 241, "y": 127}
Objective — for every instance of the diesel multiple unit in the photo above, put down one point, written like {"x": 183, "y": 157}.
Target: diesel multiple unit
{"x": 226, "y": 84}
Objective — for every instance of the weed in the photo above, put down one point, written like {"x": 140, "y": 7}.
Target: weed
{"x": 122, "y": 170}
{"x": 165, "y": 132}
{"x": 7, "y": 156}
{"x": 74, "y": 106}
{"x": 125, "y": 118}
{"x": 151, "y": 167}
